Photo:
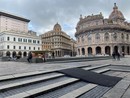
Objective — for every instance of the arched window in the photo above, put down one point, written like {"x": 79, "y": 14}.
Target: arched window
{"x": 82, "y": 38}
{"x": 115, "y": 36}
{"x": 97, "y": 36}
{"x": 78, "y": 39}
{"x": 106, "y": 36}
{"x": 89, "y": 37}
{"x": 127, "y": 36}
{"x": 122, "y": 36}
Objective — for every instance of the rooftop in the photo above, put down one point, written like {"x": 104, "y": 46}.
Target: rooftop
{"x": 13, "y": 16}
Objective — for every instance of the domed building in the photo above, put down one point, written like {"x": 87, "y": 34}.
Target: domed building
{"x": 96, "y": 35}
{"x": 58, "y": 41}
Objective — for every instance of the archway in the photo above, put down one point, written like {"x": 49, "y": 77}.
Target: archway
{"x": 115, "y": 49}
{"x": 8, "y": 53}
{"x": 123, "y": 48}
{"x": 20, "y": 53}
{"x": 13, "y": 54}
{"x": 1, "y": 53}
{"x": 58, "y": 53}
{"x": 89, "y": 51}
{"x": 128, "y": 52}
{"x": 98, "y": 50}
{"x": 107, "y": 50}
{"x": 83, "y": 51}
{"x": 24, "y": 54}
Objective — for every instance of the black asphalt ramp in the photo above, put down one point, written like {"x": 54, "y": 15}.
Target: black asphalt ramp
{"x": 91, "y": 77}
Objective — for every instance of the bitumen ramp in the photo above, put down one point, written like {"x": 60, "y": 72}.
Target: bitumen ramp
{"x": 91, "y": 77}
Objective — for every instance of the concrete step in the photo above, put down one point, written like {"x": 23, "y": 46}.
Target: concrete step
{"x": 96, "y": 67}
{"x": 118, "y": 90}
{"x": 42, "y": 89}
{"x": 102, "y": 70}
{"x": 33, "y": 80}
{"x": 77, "y": 60}
{"x": 80, "y": 91}
{"x": 20, "y": 75}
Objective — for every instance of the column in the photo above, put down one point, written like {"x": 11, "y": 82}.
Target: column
{"x": 86, "y": 51}
{"x": 103, "y": 50}
{"x": 93, "y": 50}
{"x": 125, "y": 49}
{"x": 111, "y": 49}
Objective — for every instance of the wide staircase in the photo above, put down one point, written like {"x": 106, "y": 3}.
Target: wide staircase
{"x": 40, "y": 84}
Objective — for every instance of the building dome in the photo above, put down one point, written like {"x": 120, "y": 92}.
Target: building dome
{"x": 116, "y": 14}
{"x": 57, "y": 27}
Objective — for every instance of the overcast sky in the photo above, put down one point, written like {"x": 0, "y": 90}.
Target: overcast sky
{"x": 44, "y": 14}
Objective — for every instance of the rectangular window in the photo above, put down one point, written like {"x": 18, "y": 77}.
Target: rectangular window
{"x": 14, "y": 47}
{"x": 19, "y": 47}
{"x": 19, "y": 39}
{"x": 7, "y": 46}
{"x": 34, "y": 41}
{"x": 38, "y": 41}
{"x": 29, "y": 48}
{"x": 8, "y": 38}
{"x": 14, "y": 39}
{"x": 24, "y": 47}
{"x": 38, "y": 48}
{"x": 29, "y": 40}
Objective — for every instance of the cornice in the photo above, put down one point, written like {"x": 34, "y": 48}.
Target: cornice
{"x": 103, "y": 27}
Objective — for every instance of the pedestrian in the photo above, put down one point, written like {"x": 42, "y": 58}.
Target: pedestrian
{"x": 49, "y": 55}
{"x": 118, "y": 56}
{"x": 113, "y": 55}
{"x": 123, "y": 54}
{"x": 44, "y": 58}
{"x": 29, "y": 57}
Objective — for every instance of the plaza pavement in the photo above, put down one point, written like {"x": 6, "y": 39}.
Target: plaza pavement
{"x": 11, "y": 67}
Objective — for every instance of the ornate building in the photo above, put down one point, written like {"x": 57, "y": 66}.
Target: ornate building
{"x": 15, "y": 38}
{"x": 57, "y": 41}
{"x": 96, "y": 35}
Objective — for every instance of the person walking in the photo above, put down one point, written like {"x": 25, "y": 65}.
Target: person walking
{"x": 123, "y": 54}
{"x": 53, "y": 55}
{"x": 113, "y": 55}
{"x": 44, "y": 58}
{"x": 29, "y": 57}
{"x": 118, "y": 56}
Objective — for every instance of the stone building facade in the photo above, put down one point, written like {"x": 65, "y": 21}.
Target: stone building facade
{"x": 15, "y": 38}
{"x": 57, "y": 41}
{"x": 96, "y": 35}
